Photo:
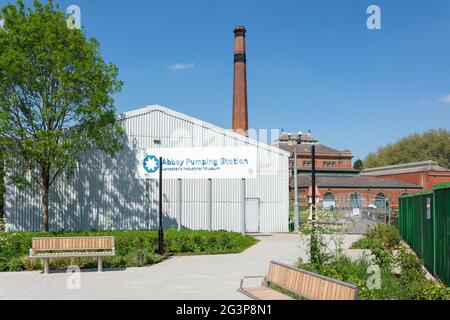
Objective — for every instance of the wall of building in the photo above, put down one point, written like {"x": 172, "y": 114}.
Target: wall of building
{"x": 104, "y": 193}
{"x": 323, "y": 161}
{"x": 367, "y": 195}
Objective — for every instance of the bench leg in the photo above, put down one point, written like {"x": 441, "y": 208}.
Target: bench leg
{"x": 99, "y": 264}
{"x": 46, "y": 266}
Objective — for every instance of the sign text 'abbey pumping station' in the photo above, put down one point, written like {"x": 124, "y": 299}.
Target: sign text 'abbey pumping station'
{"x": 198, "y": 163}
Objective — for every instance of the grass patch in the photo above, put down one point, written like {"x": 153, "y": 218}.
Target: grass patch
{"x": 133, "y": 248}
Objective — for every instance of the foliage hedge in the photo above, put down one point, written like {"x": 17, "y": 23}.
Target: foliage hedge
{"x": 385, "y": 243}
{"x": 133, "y": 248}
{"x": 381, "y": 235}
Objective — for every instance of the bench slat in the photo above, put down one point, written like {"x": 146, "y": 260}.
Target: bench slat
{"x": 264, "y": 293}
{"x": 71, "y": 247}
{"x": 72, "y": 254}
{"x": 72, "y": 243}
{"x": 307, "y": 284}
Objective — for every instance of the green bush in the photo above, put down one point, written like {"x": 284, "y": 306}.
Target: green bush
{"x": 154, "y": 258}
{"x": 382, "y": 240}
{"x": 410, "y": 285}
{"x": 15, "y": 265}
{"x": 355, "y": 272}
{"x": 382, "y": 235}
{"x": 133, "y": 248}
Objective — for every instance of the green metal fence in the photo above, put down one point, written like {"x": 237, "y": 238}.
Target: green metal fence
{"x": 424, "y": 222}
{"x": 442, "y": 232}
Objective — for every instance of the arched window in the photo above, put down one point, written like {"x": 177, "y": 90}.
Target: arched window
{"x": 329, "y": 200}
{"x": 355, "y": 200}
{"x": 380, "y": 200}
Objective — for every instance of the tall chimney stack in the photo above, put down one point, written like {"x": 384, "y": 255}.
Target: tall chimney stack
{"x": 240, "y": 111}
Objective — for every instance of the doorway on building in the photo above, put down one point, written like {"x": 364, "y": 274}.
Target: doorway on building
{"x": 252, "y": 215}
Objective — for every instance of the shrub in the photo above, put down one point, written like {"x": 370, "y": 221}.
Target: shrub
{"x": 137, "y": 258}
{"x": 381, "y": 240}
{"x": 3, "y": 264}
{"x": 355, "y": 272}
{"x": 115, "y": 262}
{"x": 383, "y": 235}
{"x": 15, "y": 265}
{"x": 411, "y": 284}
{"x": 29, "y": 264}
{"x": 154, "y": 258}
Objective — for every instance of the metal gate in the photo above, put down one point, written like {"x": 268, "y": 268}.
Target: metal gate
{"x": 359, "y": 220}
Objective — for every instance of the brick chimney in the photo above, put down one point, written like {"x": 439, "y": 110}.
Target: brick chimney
{"x": 240, "y": 111}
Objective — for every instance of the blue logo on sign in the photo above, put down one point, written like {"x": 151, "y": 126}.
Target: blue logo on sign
{"x": 151, "y": 164}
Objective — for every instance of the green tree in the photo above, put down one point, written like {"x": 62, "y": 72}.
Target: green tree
{"x": 358, "y": 165}
{"x": 55, "y": 97}
{"x": 431, "y": 145}
{"x": 2, "y": 188}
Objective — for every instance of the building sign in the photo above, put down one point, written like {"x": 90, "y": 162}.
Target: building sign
{"x": 198, "y": 163}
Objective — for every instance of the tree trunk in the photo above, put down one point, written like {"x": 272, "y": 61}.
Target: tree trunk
{"x": 43, "y": 190}
{"x": 2, "y": 194}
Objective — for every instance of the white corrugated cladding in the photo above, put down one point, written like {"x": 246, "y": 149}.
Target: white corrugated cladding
{"x": 104, "y": 193}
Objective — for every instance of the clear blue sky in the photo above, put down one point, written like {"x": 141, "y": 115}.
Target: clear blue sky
{"x": 312, "y": 65}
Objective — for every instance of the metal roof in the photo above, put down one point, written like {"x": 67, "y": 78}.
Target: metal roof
{"x": 185, "y": 117}
{"x": 352, "y": 181}
{"x": 320, "y": 148}
{"x": 336, "y": 170}
{"x": 422, "y": 166}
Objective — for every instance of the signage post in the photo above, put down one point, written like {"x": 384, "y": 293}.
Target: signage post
{"x": 197, "y": 164}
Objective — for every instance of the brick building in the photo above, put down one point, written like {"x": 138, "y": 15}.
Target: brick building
{"x": 353, "y": 190}
{"x": 338, "y": 184}
{"x": 327, "y": 159}
{"x": 427, "y": 174}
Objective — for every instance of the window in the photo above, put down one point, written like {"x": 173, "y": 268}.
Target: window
{"x": 329, "y": 164}
{"x": 380, "y": 200}
{"x": 355, "y": 201}
{"x": 329, "y": 200}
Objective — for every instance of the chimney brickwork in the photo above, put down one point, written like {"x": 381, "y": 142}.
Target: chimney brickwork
{"x": 240, "y": 108}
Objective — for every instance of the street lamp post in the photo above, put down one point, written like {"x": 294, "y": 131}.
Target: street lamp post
{"x": 294, "y": 143}
{"x": 313, "y": 180}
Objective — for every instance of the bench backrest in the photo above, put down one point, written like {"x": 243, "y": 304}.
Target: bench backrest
{"x": 310, "y": 285}
{"x": 73, "y": 243}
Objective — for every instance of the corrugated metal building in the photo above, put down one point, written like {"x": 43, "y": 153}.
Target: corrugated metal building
{"x": 105, "y": 193}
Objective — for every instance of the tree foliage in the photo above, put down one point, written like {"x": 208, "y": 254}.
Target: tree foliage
{"x": 358, "y": 165}
{"x": 431, "y": 145}
{"x": 55, "y": 96}
{"x": 2, "y": 188}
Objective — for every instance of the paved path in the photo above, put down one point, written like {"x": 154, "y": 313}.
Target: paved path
{"x": 184, "y": 278}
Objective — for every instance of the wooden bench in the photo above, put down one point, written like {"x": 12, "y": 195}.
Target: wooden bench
{"x": 46, "y": 248}
{"x": 302, "y": 283}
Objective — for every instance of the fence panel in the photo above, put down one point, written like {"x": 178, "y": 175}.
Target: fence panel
{"x": 442, "y": 232}
{"x": 427, "y": 232}
{"x": 424, "y": 222}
